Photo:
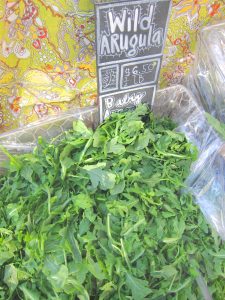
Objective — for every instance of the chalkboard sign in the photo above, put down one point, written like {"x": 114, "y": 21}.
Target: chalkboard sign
{"x": 130, "y": 37}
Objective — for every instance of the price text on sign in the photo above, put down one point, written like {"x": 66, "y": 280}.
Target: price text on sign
{"x": 130, "y": 37}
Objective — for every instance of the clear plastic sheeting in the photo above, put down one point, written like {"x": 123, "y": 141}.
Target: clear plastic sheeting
{"x": 23, "y": 140}
{"x": 208, "y": 74}
{"x": 13, "y": 149}
{"x": 50, "y": 127}
{"x": 179, "y": 104}
{"x": 206, "y": 181}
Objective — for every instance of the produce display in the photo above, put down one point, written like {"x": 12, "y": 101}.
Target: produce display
{"x": 101, "y": 215}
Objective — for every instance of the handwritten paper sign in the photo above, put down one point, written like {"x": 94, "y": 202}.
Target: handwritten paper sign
{"x": 130, "y": 37}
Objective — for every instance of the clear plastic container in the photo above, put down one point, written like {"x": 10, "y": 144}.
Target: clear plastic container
{"x": 206, "y": 181}
{"x": 50, "y": 127}
{"x": 23, "y": 140}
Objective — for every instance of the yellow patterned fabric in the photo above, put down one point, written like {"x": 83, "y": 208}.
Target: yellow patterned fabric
{"x": 47, "y": 54}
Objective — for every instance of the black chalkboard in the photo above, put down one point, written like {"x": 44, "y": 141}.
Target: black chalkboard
{"x": 130, "y": 37}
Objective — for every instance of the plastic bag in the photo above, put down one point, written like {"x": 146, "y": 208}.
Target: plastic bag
{"x": 206, "y": 180}
{"x": 207, "y": 82}
{"x": 207, "y": 78}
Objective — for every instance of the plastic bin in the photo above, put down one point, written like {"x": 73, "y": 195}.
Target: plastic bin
{"x": 206, "y": 180}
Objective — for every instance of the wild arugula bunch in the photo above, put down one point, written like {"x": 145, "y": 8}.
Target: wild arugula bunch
{"x": 100, "y": 216}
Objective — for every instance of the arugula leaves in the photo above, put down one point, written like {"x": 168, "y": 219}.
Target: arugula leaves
{"x": 216, "y": 124}
{"x": 99, "y": 215}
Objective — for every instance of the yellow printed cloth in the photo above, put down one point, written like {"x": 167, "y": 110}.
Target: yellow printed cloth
{"x": 47, "y": 54}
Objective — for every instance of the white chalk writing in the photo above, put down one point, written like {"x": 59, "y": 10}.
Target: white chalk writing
{"x": 130, "y": 31}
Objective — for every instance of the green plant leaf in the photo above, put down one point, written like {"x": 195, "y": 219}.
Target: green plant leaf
{"x": 98, "y": 176}
{"x": 10, "y": 277}
{"x": 217, "y": 125}
{"x": 138, "y": 287}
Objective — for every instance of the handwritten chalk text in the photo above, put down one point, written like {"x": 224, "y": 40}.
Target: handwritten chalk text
{"x": 130, "y": 31}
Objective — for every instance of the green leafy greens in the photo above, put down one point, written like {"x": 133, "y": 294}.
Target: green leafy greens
{"x": 216, "y": 124}
{"x": 100, "y": 216}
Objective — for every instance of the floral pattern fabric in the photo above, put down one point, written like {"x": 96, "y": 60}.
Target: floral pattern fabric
{"x": 47, "y": 54}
